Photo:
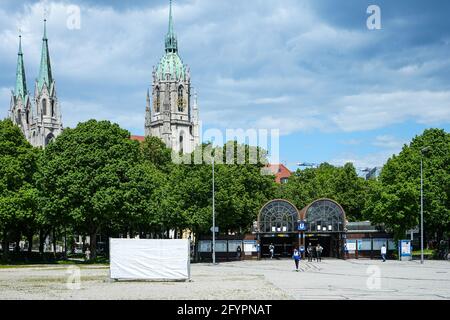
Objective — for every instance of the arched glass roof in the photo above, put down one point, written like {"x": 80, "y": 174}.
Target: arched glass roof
{"x": 278, "y": 216}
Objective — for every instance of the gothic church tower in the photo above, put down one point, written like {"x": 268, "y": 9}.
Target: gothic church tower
{"x": 43, "y": 122}
{"x": 174, "y": 117}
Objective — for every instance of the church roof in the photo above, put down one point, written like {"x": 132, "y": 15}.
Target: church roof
{"x": 171, "y": 64}
{"x": 21, "y": 81}
{"x": 45, "y": 70}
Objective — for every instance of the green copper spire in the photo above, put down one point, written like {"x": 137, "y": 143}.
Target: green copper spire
{"x": 21, "y": 81}
{"x": 45, "y": 70}
{"x": 171, "y": 38}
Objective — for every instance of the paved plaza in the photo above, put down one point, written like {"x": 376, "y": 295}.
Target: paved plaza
{"x": 266, "y": 279}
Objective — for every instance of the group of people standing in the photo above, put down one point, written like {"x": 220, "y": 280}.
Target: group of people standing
{"x": 314, "y": 252}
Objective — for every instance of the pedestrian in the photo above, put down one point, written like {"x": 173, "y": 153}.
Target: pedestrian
{"x": 296, "y": 256}
{"x": 383, "y": 252}
{"x": 310, "y": 252}
{"x": 239, "y": 252}
{"x": 88, "y": 254}
{"x": 319, "y": 250}
{"x": 271, "y": 250}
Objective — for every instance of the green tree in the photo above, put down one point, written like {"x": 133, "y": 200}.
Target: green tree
{"x": 17, "y": 193}
{"x": 341, "y": 184}
{"x": 82, "y": 177}
{"x": 395, "y": 199}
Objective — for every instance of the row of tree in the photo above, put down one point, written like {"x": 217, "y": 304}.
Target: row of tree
{"x": 94, "y": 180}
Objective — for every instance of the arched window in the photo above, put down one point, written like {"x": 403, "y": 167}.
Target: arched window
{"x": 28, "y": 116}
{"x": 158, "y": 100}
{"x": 181, "y": 143}
{"x": 50, "y": 137}
{"x": 278, "y": 216}
{"x": 19, "y": 117}
{"x": 180, "y": 99}
{"x": 325, "y": 216}
{"x": 53, "y": 108}
{"x": 44, "y": 107}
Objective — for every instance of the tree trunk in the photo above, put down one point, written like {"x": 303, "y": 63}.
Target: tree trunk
{"x": 5, "y": 245}
{"x": 54, "y": 242}
{"x": 41, "y": 241}
{"x": 30, "y": 243}
{"x": 93, "y": 244}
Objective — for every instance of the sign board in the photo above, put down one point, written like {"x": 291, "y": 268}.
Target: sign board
{"x": 149, "y": 259}
{"x": 211, "y": 229}
{"x": 351, "y": 246}
{"x": 405, "y": 250}
{"x": 301, "y": 225}
{"x": 250, "y": 246}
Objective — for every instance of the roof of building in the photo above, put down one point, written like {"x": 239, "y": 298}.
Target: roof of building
{"x": 138, "y": 138}
{"x": 280, "y": 171}
{"x": 171, "y": 63}
{"x": 21, "y": 82}
{"x": 45, "y": 70}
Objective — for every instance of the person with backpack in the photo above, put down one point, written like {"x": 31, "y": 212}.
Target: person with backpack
{"x": 296, "y": 256}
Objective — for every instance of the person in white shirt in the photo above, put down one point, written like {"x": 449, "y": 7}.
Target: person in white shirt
{"x": 383, "y": 252}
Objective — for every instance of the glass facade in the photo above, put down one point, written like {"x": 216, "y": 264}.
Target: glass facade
{"x": 325, "y": 216}
{"x": 278, "y": 216}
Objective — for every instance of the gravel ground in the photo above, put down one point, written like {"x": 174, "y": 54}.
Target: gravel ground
{"x": 267, "y": 279}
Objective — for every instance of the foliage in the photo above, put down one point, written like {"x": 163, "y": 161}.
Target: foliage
{"x": 395, "y": 199}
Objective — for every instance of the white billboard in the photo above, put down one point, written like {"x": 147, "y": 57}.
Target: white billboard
{"x": 149, "y": 259}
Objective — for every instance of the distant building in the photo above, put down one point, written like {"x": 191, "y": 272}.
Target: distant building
{"x": 38, "y": 117}
{"x": 373, "y": 173}
{"x": 281, "y": 172}
{"x": 174, "y": 116}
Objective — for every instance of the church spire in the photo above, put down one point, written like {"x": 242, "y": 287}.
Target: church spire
{"x": 45, "y": 70}
{"x": 171, "y": 38}
{"x": 21, "y": 81}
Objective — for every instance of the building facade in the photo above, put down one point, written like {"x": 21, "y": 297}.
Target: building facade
{"x": 38, "y": 117}
{"x": 174, "y": 115}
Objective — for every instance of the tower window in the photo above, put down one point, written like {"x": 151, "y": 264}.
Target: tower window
{"x": 53, "y": 108}
{"x": 181, "y": 144}
{"x": 180, "y": 99}
{"x": 158, "y": 101}
{"x": 44, "y": 107}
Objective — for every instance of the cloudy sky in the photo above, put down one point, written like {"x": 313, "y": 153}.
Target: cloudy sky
{"x": 337, "y": 91}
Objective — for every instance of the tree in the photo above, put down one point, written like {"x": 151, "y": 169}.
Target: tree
{"x": 341, "y": 184}
{"x": 17, "y": 193}
{"x": 395, "y": 199}
{"x": 82, "y": 177}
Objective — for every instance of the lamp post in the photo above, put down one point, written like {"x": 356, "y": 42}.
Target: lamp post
{"x": 213, "y": 218}
{"x": 422, "y": 151}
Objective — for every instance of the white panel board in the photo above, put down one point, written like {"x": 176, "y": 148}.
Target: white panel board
{"x": 149, "y": 259}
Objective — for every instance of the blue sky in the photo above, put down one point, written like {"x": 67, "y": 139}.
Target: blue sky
{"x": 337, "y": 91}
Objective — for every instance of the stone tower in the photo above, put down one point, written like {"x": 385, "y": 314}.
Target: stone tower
{"x": 174, "y": 117}
{"x": 42, "y": 122}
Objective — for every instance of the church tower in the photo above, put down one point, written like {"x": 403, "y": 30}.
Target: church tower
{"x": 47, "y": 124}
{"x": 20, "y": 111}
{"x": 40, "y": 118}
{"x": 174, "y": 116}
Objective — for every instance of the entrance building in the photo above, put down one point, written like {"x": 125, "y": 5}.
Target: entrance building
{"x": 281, "y": 224}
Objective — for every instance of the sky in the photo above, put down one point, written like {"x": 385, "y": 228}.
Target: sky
{"x": 337, "y": 91}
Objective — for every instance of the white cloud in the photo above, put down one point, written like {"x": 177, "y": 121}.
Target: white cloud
{"x": 368, "y": 111}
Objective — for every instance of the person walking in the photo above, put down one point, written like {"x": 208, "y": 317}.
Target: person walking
{"x": 309, "y": 250}
{"x": 239, "y": 250}
{"x": 383, "y": 252}
{"x": 319, "y": 250}
{"x": 271, "y": 250}
{"x": 296, "y": 256}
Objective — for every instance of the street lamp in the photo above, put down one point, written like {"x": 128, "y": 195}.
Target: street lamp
{"x": 213, "y": 218}
{"x": 422, "y": 151}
